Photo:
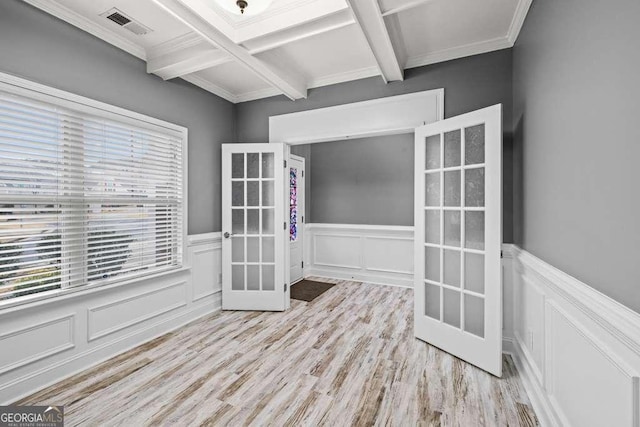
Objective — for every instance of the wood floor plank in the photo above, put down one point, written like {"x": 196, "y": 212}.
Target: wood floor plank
{"x": 346, "y": 358}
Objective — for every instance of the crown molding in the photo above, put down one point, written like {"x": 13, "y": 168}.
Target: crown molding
{"x": 518, "y": 20}
{"x": 210, "y": 87}
{"x": 458, "y": 52}
{"x": 346, "y": 76}
{"x": 257, "y": 94}
{"x": 77, "y": 20}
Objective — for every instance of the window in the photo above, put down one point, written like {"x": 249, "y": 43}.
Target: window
{"x": 88, "y": 194}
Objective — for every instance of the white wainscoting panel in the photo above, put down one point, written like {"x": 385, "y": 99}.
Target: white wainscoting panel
{"x": 36, "y": 342}
{"x": 47, "y": 340}
{"x": 577, "y": 350}
{"x": 371, "y": 253}
{"x": 205, "y": 255}
{"x": 115, "y": 316}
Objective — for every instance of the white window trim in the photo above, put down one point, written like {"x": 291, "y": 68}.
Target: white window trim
{"x": 84, "y": 104}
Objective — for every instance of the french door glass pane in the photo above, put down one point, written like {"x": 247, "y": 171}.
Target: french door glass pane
{"x": 474, "y": 315}
{"x": 474, "y": 187}
{"x": 433, "y": 152}
{"x": 253, "y": 249}
{"x": 268, "y": 277}
{"x": 474, "y": 145}
{"x": 452, "y": 268}
{"x": 253, "y": 193}
{"x": 474, "y": 230}
{"x": 455, "y": 218}
{"x": 432, "y": 301}
{"x": 253, "y": 165}
{"x": 268, "y": 170}
{"x": 237, "y": 221}
{"x": 237, "y": 277}
{"x": 432, "y": 189}
{"x": 451, "y": 306}
{"x": 432, "y": 264}
{"x": 268, "y": 249}
{"x": 237, "y": 165}
{"x": 474, "y": 272}
{"x": 452, "y": 149}
{"x": 432, "y": 226}
{"x": 237, "y": 193}
{"x": 253, "y": 277}
{"x": 237, "y": 249}
{"x": 253, "y": 221}
{"x": 452, "y": 228}
{"x": 452, "y": 188}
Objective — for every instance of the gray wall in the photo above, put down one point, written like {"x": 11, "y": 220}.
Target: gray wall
{"x": 354, "y": 177}
{"x": 576, "y": 106}
{"x": 43, "y": 49}
{"x": 469, "y": 83}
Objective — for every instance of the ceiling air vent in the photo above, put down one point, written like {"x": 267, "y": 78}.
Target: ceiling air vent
{"x": 126, "y": 22}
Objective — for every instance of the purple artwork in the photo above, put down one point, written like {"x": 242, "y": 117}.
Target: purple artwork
{"x": 293, "y": 204}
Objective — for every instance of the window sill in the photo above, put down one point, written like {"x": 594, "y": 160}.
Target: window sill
{"x": 35, "y": 300}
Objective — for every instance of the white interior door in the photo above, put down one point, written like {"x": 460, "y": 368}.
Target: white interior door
{"x": 253, "y": 226}
{"x": 458, "y": 226}
{"x": 296, "y": 216}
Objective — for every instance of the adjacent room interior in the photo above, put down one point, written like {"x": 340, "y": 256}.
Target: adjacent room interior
{"x": 325, "y": 212}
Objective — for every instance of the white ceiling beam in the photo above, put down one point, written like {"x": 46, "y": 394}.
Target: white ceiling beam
{"x": 180, "y": 61}
{"x": 403, "y": 7}
{"x": 325, "y": 24}
{"x": 191, "y": 53}
{"x": 369, "y": 17}
{"x": 290, "y": 85}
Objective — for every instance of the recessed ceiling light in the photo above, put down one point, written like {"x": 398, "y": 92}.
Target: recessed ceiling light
{"x": 244, "y": 7}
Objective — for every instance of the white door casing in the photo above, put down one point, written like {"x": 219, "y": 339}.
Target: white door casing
{"x": 254, "y": 261}
{"x": 296, "y": 216}
{"x": 458, "y": 236}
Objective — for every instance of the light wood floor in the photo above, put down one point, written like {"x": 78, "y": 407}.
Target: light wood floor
{"x": 347, "y": 358}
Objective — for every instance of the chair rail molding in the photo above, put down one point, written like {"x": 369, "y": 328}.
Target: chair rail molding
{"x": 53, "y": 339}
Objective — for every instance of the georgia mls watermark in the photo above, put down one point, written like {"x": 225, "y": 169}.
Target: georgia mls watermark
{"x": 31, "y": 416}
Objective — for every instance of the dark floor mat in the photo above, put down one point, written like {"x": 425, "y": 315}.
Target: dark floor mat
{"x": 308, "y": 290}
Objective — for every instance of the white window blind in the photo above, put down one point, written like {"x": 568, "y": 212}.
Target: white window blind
{"x": 86, "y": 196}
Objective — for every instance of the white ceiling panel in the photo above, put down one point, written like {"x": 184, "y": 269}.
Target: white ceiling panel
{"x": 296, "y": 44}
{"x": 233, "y": 77}
{"x": 329, "y": 55}
{"x": 164, "y": 27}
{"x": 438, "y": 25}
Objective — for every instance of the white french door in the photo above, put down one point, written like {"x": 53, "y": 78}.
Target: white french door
{"x": 254, "y": 227}
{"x": 458, "y": 226}
{"x": 296, "y": 217}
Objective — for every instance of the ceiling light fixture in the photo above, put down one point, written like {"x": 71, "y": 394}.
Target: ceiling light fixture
{"x": 244, "y": 7}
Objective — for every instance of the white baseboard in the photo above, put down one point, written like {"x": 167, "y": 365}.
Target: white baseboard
{"x": 374, "y": 280}
{"x": 577, "y": 351}
{"x": 57, "y": 338}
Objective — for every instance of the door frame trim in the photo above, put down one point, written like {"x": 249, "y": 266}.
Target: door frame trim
{"x": 393, "y": 115}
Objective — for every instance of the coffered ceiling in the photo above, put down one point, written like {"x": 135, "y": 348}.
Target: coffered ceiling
{"x": 295, "y": 45}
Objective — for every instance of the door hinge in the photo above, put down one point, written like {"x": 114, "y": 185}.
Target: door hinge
{"x": 284, "y": 225}
{"x": 302, "y": 264}
{"x": 303, "y": 174}
{"x": 285, "y": 163}
{"x": 285, "y": 287}
{"x": 501, "y": 254}
{"x": 303, "y": 219}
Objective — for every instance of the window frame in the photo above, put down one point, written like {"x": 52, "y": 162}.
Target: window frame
{"x": 30, "y": 89}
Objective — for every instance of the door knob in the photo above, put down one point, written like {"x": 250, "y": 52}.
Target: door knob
{"x": 227, "y": 235}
